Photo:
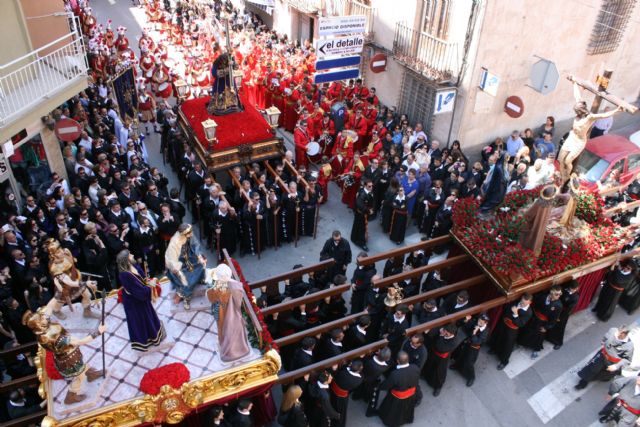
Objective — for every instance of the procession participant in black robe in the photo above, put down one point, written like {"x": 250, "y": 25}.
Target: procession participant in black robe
{"x": 339, "y": 249}
{"x": 146, "y": 247}
{"x": 386, "y": 205}
{"x": 569, "y": 299}
{"x": 546, "y": 311}
{"x": 373, "y": 173}
{"x": 393, "y": 266}
{"x": 617, "y": 281}
{"x": 415, "y": 259}
{"x": 224, "y": 223}
{"x": 321, "y": 413}
{"x": 433, "y": 281}
{"x": 253, "y": 228}
{"x": 296, "y": 286}
{"x": 374, "y": 302}
{"x": 398, "y": 224}
{"x": 374, "y": 367}
{"x": 331, "y": 346}
{"x": 361, "y": 282}
{"x": 195, "y": 180}
{"x": 506, "y": 333}
{"x": 333, "y": 307}
{"x": 363, "y": 208}
{"x": 615, "y": 354}
{"x": 356, "y": 335}
{"x": 435, "y": 370}
{"x": 477, "y": 334}
{"x": 417, "y": 352}
{"x": 310, "y": 201}
{"x": 427, "y": 312}
{"x": 456, "y": 302}
{"x": 380, "y": 188}
{"x": 290, "y": 213}
{"x": 395, "y": 326}
{"x": 208, "y": 206}
{"x": 344, "y": 382}
{"x": 272, "y": 218}
{"x": 443, "y": 221}
{"x": 302, "y": 357}
{"x": 434, "y": 200}
{"x": 398, "y": 405}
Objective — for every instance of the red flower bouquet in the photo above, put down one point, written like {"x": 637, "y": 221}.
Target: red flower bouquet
{"x": 495, "y": 241}
{"x": 173, "y": 375}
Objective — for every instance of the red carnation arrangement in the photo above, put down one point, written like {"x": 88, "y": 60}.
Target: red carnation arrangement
{"x": 50, "y": 367}
{"x": 173, "y": 375}
{"x": 495, "y": 241}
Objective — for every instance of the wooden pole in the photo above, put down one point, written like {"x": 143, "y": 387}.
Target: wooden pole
{"x": 603, "y": 83}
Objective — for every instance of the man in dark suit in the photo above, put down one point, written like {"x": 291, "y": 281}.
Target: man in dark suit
{"x": 394, "y": 327}
{"x": 339, "y": 249}
{"x": 332, "y": 345}
{"x": 361, "y": 213}
{"x": 242, "y": 416}
{"x": 443, "y": 222}
{"x": 361, "y": 282}
{"x": 356, "y": 335}
{"x": 374, "y": 174}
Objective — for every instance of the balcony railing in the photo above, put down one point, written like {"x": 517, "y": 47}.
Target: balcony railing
{"x": 357, "y": 8}
{"x": 336, "y": 8}
{"x": 40, "y": 74}
{"x": 430, "y": 56}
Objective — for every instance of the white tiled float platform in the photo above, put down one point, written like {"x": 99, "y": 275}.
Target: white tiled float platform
{"x": 191, "y": 339}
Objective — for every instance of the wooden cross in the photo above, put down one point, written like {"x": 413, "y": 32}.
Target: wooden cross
{"x": 599, "y": 89}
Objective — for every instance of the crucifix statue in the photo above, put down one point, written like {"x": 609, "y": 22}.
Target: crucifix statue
{"x": 577, "y": 139}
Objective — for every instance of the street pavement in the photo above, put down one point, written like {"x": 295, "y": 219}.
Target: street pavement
{"x": 527, "y": 393}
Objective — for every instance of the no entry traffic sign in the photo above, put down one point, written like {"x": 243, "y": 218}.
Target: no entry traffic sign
{"x": 68, "y": 130}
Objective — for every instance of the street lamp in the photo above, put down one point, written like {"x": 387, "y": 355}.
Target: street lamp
{"x": 181, "y": 89}
{"x": 209, "y": 127}
{"x": 273, "y": 114}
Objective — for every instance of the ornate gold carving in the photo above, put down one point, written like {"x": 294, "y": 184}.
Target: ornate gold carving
{"x": 172, "y": 406}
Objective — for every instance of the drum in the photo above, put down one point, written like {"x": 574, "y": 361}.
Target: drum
{"x": 164, "y": 90}
{"x": 313, "y": 152}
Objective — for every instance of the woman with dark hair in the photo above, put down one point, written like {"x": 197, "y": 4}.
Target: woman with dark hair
{"x": 138, "y": 294}
{"x": 548, "y": 126}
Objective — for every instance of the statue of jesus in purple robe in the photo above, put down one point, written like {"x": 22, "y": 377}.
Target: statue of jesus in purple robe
{"x": 145, "y": 329}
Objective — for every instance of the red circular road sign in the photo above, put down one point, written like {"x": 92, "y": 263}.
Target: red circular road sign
{"x": 378, "y": 63}
{"x": 68, "y": 130}
{"x": 514, "y": 107}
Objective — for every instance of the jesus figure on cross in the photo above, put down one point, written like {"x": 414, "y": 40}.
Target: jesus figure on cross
{"x": 577, "y": 139}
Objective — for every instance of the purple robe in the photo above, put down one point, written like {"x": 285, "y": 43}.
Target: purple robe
{"x": 145, "y": 329}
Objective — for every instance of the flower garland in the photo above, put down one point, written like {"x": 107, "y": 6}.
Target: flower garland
{"x": 173, "y": 375}
{"x": 495, "y": 241}
{"x": 267, "y": 339}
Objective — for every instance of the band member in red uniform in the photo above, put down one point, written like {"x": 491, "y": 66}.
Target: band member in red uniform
{"x": 146, "y": 106}
{"x": 327, "y": 134}
{"x": 335, "y": 91}
{"x": 351, "y": 180}
{"x": 122, "y": 42}
{"x": 360, "y": 90}
{"x": 147, "y": 65}
{"x": 161, "y": 80}
{"x": 109, "y": 37}
{"x": 301, "y": 139}
{"x": 146, "y": 42}
{"x": 361, "y": 126}
{"x": 341, "y": 153}
{"x": 372, "y": 150}
{"x": 292, "y": 96}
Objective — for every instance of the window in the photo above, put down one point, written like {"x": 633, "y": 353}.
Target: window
{"x": 590, "y": 166}
{"x": 416, "y": 99}
{"x": 610, "y": 25}
{"x": 435, "y": 18}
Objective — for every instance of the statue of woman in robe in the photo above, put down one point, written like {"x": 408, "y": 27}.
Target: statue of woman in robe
{"x": 226, "y": 296}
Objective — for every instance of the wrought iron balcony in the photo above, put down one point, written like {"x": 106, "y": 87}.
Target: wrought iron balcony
{"x": 40, "y": 74}
{"x": 430, "y": 56}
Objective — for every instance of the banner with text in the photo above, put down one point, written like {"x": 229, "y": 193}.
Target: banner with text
{"x": 338, "y": 25}
{"x": 351, "y": 45}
